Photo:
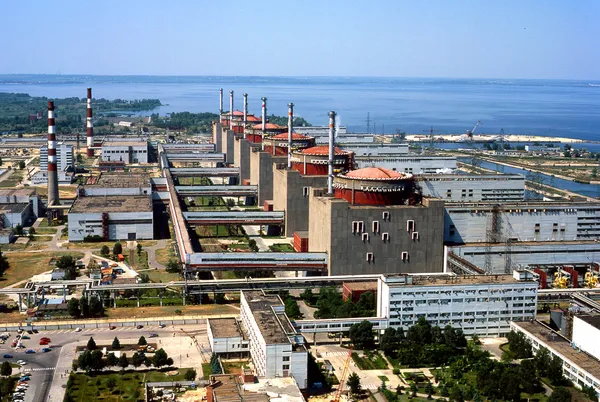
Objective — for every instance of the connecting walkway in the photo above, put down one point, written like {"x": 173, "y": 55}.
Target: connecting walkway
{"x": 337, "y": 324}
{"x": 188, "y": 148}
{"x": 205, "y": 172}
{"x": 200, "y": 218}
{"x": 217, "y": 191}
{"x": 196, "y": 157}
{"x": 262, "y": 261}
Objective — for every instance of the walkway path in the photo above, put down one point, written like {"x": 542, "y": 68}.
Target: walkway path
{"x": 151, "y": 250}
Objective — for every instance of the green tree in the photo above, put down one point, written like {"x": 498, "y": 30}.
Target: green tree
{"x": 73, "y": 308}
{"x": 456, "y": 394}
{"x": 96, "y": 308}
{"x": 144, "y": 278}
{"x": 139, "y": 249}
{"x": 361, "y": 335}
{"x": 6, "y": 369}
{"x": 84, "y": 307}
{"x": 91, "y": 345}
{"x": 116, "y": 344}
{"x": 137, "y": 359}
{"x": 104, "y": 251}
{"x": 413, "y": 389}
{"x": 353, "y": 383}
{"x": 307, "y": 295}
{"x": 560, "y": 394}
{"x": 542, "y": 361}
{"x": 67, "y": 263}
{"x": 429, "y": 390}
{"x": 173, "y": 266}
{"x": 389, "y": 342}
{"x": 96, "y": 361}
{"x": 84, "y": 360}
{"x": 291, "y": 308}
{"x": 123, "y": 362}
{"x": 117, "y": 249}
{"x": 190, "y": 375}
{"x": 111, "y": 359}
{"x": 142, "y": 341}
{"x": 3, "y": 263}
{"x": 18, "y": 230}
{"x": 21, "y": 165}
{"x": 160, "y": 358}
{"x": 555, "y": 372}
{"x": 252, "y": 245}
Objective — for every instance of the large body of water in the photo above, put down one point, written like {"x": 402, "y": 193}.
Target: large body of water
{"x": 557, "y": 108}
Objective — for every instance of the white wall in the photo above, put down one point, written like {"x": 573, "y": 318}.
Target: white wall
{"x": 585, "y": 337}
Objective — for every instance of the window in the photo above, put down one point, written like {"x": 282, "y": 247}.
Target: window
{"x": 357, "y": 226}
{"x": 385, "y": 237}
{"x": 365, "y": 237}
{"x": 286, "y": 366}
{"x": 286, "y": 358}
{"x": 537, "y": 228}
{"x": 386, "y": 215}
{"x": 404, "y": 256}
{"x": 410, "y": 225}
{"x": 305, "y": 191}
{"x": 415, "y": 236}
{"x": 375, "y": 226}
{"x": 370, "y": 257}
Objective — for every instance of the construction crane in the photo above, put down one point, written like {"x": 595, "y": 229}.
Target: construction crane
{"x": 471, "y": 132}
{"x": 340, "y": 389}
{"x": 431, "y": 139}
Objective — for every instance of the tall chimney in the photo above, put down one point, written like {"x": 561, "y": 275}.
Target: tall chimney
{"x": 264, "y": 114}
{"x": 331, "y": 152}
{"x": 52, "y": 171}
{"x": 290, "y": 129}
{"x": 89, "y": 125}
{"x": 221, "y": 105}
{"x": 245, "y": 113}
{"x": 231, "y": 109}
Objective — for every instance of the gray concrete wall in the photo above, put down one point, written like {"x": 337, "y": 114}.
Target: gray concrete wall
{"x": 474, "y": 188}
{"x": 217, "y": 137}
{"x": 331, "y": 231}
{"x": 119, "y": 225}
{"x": 227, "y": 145}
{"x": 290, "y": 194}
{"x": 241, "y": 152}
{"x": 261, "y": 173}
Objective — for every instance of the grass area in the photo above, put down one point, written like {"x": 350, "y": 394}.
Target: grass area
{"x": 129, "y": 385}
{"x": 140, "y": 261}
{"x": 282, "y": 248}
{"x": 383, "y": 378}
{"x": 46, "y": 230}
{"x": 23, "y": 265}
{"x": 14, "y": 179}
{"x": 370, "y": 361}
{"x": 41, "y": 238}
{"x": 203, "y": 309}
{"x": 150, "y": 302}
{"x": 206, "y": 370}
{"x": 163, "y": 255}
{"x": 161, "y": 276}
{"x": 234, "y": 367}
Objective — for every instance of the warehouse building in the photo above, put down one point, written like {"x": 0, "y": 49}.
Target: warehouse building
{"x": 17, "y": 207}
{"x": 127, "y": 150}
{"x": 122, "y": 184}
{"x": 373, "y": 149}
{"x": 112, "y": 217}
{"x": 415, "y": 164}
{"x": 474, "y": 188}
{"x": 482, "y": 305}
{"x": 276, "y": 348}
{"x": 226, "y": 337}
{"x": 376, "y": 222}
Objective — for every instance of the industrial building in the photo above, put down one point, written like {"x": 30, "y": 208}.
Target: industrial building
{"x": 579, "y": 356}
{"x": 376, "y": 222}
{"x": 482, "y": 305}
{"x": 276, "y": 348}
{"x": 17, "y": 207}
{"x": 415, "y": 164}
{"x": 521, "y": 222}
{"x": 65, "y": 163}
{"x": 474, "y": 188}
{"x": 127, "y": 150}
{"x": 362, "y": 149}
{"x": 226, "y": 337}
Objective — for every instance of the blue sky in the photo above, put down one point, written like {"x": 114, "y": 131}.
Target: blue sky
{"x": 401, "y": 38}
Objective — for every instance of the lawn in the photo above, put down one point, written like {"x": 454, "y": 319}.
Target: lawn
{"x": 23, "y": 265}
{"x": 161, "y": 276}
{"x": 163, "y": 255}
{"x": 148, "y": 302}
{"x": 282, "y": 248}
{"x": 370, "y": 361}
{"x": 46, "y": 230}
{"x": 234, "y": 367}
{"x": 13, "y": 179}
{"x": 41, "y": 238}
{"x": 206, "y": 370}
{"x": 129, "y": 385}
{"x": 167, "y": 311}
{"x": 140, "y": 261}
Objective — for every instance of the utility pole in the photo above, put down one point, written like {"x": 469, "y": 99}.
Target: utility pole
{"x": 368, "y": 123}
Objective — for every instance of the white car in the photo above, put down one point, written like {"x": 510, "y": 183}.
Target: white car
{"x": 21, "y": 362}
{"x": 77, "y": 329}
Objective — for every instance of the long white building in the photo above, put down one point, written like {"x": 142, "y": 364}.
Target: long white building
{"x": 482, "y": 305}
{"x": 474, "y": 188}
{"x": 276, "y": 348}
{"x": 415, "y": 164}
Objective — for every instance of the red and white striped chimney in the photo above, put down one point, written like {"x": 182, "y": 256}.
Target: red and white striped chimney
{"x": 290, "y": 129}
{"x": 52, "y": 170}
{"x": 89, "y": 125}
{"x": 331, "y": 152}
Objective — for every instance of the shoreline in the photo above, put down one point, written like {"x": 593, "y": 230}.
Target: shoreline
{"x": 483, "y": 138}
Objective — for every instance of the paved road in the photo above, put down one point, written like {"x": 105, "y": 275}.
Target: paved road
{"x": 50, "y": 370}
{"x": 151, "y": 250}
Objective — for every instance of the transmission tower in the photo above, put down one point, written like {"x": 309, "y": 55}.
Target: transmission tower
{"x": 508, "y": 256}
{"x": 368, "y": 123}
{"x": 492, "y": 236}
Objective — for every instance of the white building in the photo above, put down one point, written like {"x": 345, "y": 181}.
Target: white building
{"x": 416, "y": 164}
{"x": 374, "y": 149}
{"x": 524, "y": 221}
{"x": 276, "y": 348}
{"x": 134, "y": 150}
{"x": 579, "y": 365}
{"x": 65, "y": 163}
{"x": 482, "y": 305}
{"x": 225, "y": 336}
{"x": 474, "y": 188}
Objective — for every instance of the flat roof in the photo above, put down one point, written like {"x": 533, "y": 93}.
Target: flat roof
{"x": 261, "y": 305}
{"x": 225, "y": 328}
{"x": 449, "y": 279}
{"x": 230, "y": 388}
{"x": 13, "y": 208}
{"x": 20, "y": 192}
{"x": 562, "y": 346}
{"x": 361, "y": 285}
{"x": 125, "y": 143}
{"x": 471, "y": 177}
{"x": 112, "y": 203}
{"x": 121, "y": 180}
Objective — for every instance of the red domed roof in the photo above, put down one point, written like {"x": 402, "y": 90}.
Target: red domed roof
{"x": 376, "y": 173}
{"x": 252, "y": 118}
{"x": 238, "y": 113}
{"x": 295, "y": 136}
{"x": 268, "y": 126}
{"x": 323, "y": 150}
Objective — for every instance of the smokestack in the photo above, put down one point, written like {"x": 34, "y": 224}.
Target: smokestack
{"x": 52, "y": 171}
{"x": 221, "y": 105}
{"x": 331, "y": 152}
{"x": 290, "y": 129}
{"x": 89, "y": 125}
{"x": 231, "y": 109}
{"x": 264, "y": 114}
{"x": 245, "y": 113}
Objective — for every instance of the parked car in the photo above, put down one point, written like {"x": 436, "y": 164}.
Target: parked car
{"x": 77, "y": 329}
{"x": 140, "y": 326}
{"x": 46, "y": 350}
{"x": 35, "y": 331}
{"x": 13, "y": 344}
{"x": 161, "y": 325}
{"x": 43, "y": 342}
{"x": 30, "y": 332}
{"x": 29, "y": 351}
{"x": 25, "y": 378}
{"x": 112, "y": 327}
{"x": 25, "y": 337}
{"x": 45, "y": 338}
{"x": 7, "y": 356}
{"x": 153, "y": 335}
{"x": 21, "y": 362}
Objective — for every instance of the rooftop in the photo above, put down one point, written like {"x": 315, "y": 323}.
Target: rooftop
{"x": 225, "y": 328}
{"x": 21, "y": 192}
{"x": 295, "y": 136}
{"x": 13, "y": 208}
{"x": 324, "y": 150}
{"x": 120, "y": 180}
{"x": 261, "y": 305}
{"x": 230, "y": 388}
{"x": 562, "y": 346}
{"x": 376, "y": 173}
{"x": 268, "y": 126}
{"x": 112, "y": 203}
{"x": 471, "y": 177}
{"x": 450, "y": 279}
{"x": 356, "y": 286}
{"x": 125, "y": 143}
{"x": 252, "y": 118}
